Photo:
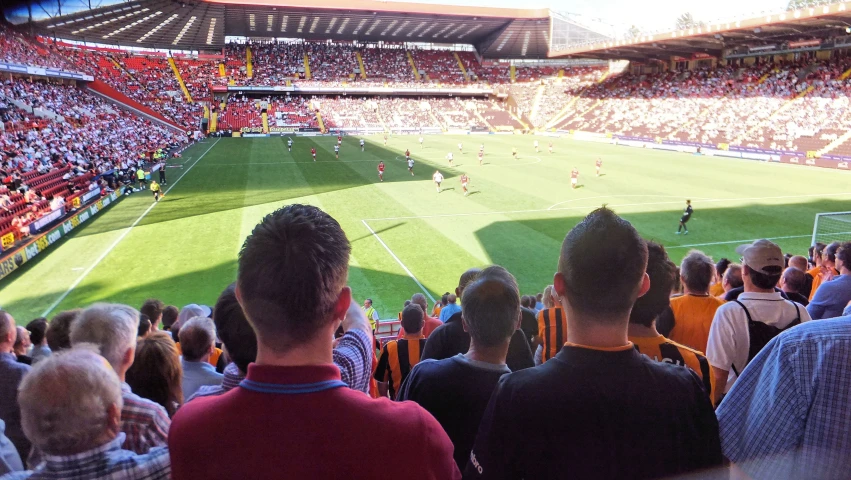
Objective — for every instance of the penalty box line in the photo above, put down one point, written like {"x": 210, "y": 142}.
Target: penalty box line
{"x": 401, "y": 264}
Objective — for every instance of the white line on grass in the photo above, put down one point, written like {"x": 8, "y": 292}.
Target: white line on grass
{"x": 121, "y": 237}
{"x": 809, "y": 235}
{"x": 742, "y": 242}
{"x": 551, "y": 209}
{"x": 424, "y": 289}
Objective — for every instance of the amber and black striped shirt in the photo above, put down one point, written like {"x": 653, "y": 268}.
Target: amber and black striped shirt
{"x": 664, "y": 350}
{"x": 552, "y": 330}
{"x": 397, "y": 359}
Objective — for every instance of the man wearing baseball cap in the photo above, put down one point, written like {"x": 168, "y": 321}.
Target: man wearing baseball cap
{"x": 742, "y": 327}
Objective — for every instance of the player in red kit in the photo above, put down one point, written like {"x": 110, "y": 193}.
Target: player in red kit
{"x": 481, "y": 157}
{"x": 381, "y": 171}
{"x": 464, "y": 181}
{"x": 599, "y": 166}
{"x": 574, "y": 177}
{"x": 313, "y": 152}
{"x": 407, "y": 154}
{"x": 339, "y": 139}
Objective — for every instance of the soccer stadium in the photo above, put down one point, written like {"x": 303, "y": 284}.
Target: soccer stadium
{"x": 644, "y": 230}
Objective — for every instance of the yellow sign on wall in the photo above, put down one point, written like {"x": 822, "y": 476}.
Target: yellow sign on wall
{"x": 8, "y": 240}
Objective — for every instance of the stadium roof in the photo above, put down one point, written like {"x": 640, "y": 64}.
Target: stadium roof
{"x": 204, "y": 24}
{"x": 767, "y": 33}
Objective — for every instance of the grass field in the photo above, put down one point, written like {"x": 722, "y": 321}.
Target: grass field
{"x": 184, "y": 249}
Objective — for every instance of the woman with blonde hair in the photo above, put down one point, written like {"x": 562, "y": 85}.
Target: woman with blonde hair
{"x": 156, "y": 373}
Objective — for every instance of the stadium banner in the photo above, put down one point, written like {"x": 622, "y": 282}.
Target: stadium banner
{"x": 245, "y": 130}
{"x": 93, "y": 193}
{"x": 457, "y": 131}
{"x": 47, "y": 220}
{"x": 828, "y": 161}
{"x": 43, "y": 72}
{"x": 37, "y": 245}
{"x": 255, "y": 135}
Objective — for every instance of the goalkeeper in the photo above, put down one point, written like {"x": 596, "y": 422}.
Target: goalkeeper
{"x": 685, "y": 218}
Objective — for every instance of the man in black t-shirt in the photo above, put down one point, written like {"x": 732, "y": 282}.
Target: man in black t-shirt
{"x": 685, "y": 218}
{"x": 456, "y": 390}
{"x": 450, "y": 339}
{"x": 598, "y": 409}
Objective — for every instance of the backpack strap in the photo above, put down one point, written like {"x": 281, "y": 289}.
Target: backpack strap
{"x": 747, "y": 314}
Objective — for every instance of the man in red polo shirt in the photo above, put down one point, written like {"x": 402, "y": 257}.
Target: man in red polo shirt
{"x": 292, "y": 415}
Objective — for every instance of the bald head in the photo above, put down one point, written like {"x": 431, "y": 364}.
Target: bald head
{"x": 8, "y": 333}
{"x": 793, "y": 280}
{"x": 466, "y": 278}
{"x": 419, "y": 299}
{"x": 799, "y": 262}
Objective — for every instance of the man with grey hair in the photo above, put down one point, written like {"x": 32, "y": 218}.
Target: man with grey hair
{"x": 694, "y": 310}
{"x": 732, "y": 279}
{"x": 112, "y": 329}
{"x": 11, "y": 374}
{"x": 72, "y": 413}
{"x": 198, "y": 342}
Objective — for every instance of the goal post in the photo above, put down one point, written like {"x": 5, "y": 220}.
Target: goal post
{"x": 832, "y": 227}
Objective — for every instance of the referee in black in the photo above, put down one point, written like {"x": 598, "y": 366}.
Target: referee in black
{"x": 685, "y": 218}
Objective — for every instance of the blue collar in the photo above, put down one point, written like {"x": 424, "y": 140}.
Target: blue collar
{"x": 290, "y": 389}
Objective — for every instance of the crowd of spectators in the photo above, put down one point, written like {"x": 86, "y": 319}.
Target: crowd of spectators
{"x": 15, "y": 48}
{"x": 56, "y": 143}
{"x": 711, "y": 361}
{"x": 795, "y": 106}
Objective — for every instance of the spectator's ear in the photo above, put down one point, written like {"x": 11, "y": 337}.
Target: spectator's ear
{"x": 559, "y": 284}
{"x": 342, "y": 305}
{"x": 645, "y": 285}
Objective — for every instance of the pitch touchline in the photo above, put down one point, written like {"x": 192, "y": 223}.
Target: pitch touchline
{"x": 121, "y": 237}
{"x": 424, "y": 289}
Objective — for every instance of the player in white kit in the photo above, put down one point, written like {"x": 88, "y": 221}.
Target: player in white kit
{"x": 362, "y": 145}
{"x": 438, "y": 179}
{"x": 450, "y": 158}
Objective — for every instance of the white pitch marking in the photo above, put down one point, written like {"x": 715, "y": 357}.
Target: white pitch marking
{"x": 120, "y": 238}
{"x": 424, "y": 289}
{"x": 552, "y": 207}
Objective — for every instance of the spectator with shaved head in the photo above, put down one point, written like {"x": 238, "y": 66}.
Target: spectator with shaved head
{"x": 112, "y": 329}
{"x": 71, "y": 411}
{"x": 198, "y": 342}
{"x": 22, "y": 345}
{"x": 11, "y": 374}
{"x": 792, "y": 283}
{"x": 732, "y": 278}
{"x": 801, "y": 263}
{"x": 291, "y": 284}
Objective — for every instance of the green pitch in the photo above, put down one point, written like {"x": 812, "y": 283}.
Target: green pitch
{"x": 402, "y": 231}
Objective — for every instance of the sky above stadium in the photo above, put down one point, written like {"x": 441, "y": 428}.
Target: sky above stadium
{"x": 649, "y": 16}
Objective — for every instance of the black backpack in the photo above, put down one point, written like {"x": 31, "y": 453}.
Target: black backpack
{"x": 761, "y": 333}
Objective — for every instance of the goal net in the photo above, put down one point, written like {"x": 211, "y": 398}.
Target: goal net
{"x": 832, "y": 227}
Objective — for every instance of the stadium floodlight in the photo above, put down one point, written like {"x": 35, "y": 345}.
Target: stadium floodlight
{"x": 832, "y": 227}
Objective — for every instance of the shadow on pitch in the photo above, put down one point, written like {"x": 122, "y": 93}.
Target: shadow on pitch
{"x": 530, "y": 248}
{"x": 203, "y": 286}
